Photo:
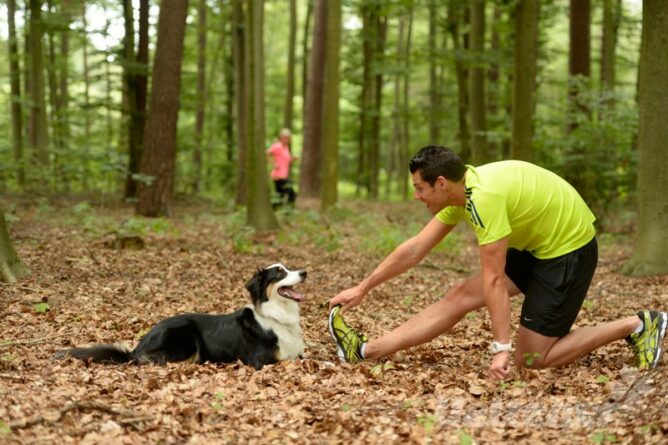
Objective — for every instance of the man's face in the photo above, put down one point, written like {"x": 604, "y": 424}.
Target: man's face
{"x": 435, "y": 197}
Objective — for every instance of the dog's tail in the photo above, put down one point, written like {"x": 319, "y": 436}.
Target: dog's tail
{"x": 105, "y": 353}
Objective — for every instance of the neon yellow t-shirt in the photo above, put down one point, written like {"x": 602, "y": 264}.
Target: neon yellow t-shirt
{"x": 536, "y": 209}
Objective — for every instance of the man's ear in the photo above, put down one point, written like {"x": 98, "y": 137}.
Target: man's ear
{"x": 441, "y": 182}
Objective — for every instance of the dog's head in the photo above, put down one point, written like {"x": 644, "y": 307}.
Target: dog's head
{"x": 275, "y": 283}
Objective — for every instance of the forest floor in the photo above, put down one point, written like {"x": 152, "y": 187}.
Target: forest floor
{"x": 85, "y": 287}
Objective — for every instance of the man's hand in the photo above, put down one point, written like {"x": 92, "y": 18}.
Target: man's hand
{"x": 348, "y": 298}
{"x": 500, "y": 367}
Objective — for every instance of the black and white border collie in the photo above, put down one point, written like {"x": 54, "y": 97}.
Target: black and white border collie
{"x": 261, "y": 333}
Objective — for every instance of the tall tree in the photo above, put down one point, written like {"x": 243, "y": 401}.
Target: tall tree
{"x": 201, "y": 95}
{"x": 260, "y": 214}
{"x": 239, "y": 37}
{"x": 330, "y": 131}
{"x": 579, "y": 57}
{"x": 85, "y": 166}
{"x": 480, "y": 152}
{"x": 288, "y": 110}
{"x": 306, "y": 55}
{"x": 37, "y": 124}
{"x": 434, "y": 85}
{"x": 649, "y": 254}
{"x": 11, "y": 267}
{"x": 404, "y": 150}
{"x": 459, "y": 47}
{"x": 524, "y": 80}
{"x": 311, "y": 160}
{"x": 15, "y": 91}
{"x": 160, "y": 137}
{"x": 130, "y": 99}
{"x": 611, "y": 17}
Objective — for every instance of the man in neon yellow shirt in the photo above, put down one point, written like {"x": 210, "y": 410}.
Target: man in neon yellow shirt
{"x": 536, "y": 236}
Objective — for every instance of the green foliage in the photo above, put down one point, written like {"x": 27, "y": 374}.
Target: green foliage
{"x": 4, "y": 428}
{"x": 141, "y": 226}
{"x": 530, "y": 357}
{"x": 601, "y": 379}
{"x": 41, "y": 308}
{"x": 217, "y": 404}
{"x": 427, "y": 422}
{"x": 464, "y": 437}
{"x": 600, "y": 437}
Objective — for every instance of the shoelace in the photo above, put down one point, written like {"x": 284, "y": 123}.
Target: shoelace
{"x": 345, "y": 340}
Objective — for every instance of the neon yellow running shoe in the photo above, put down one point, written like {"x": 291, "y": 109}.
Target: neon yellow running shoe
{"x": 348, "y": 342}
{"x": 647, "y": 343}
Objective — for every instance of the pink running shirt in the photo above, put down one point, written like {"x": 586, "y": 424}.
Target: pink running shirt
{"x": 282, "y": 158}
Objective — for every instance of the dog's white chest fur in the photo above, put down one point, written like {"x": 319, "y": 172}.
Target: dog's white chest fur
{"x": 288, "y": 330}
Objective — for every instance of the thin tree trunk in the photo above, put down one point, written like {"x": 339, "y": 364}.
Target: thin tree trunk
{"x": 311, "y": 160}
{"x": 434, "y": 86}
{"x": 259, "y": 213}
{"x": 38, "y": 135}
{"x": 160, "y": 136}
{"x": 462, "y": 80}
{"x": 524, "y": 80}
{"x": 15, "y": 91}
{"x": 305, "y": 57}
{"x": 579, "y": 58}
{"x": 239, "y": 37}
{"x": 330, "y": 131}
{"x": 85, "y": 165}
{"x": 292, "y": 41}
{"x": 404, "y": 149}
{"x": 201, "y": 96}
{"x": 480, "y": 154}
{"x": 130, "y": 100}
{"x": 612, "y": 10}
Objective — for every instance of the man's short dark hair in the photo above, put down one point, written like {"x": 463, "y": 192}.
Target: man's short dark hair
{"x": 433, "y": 161}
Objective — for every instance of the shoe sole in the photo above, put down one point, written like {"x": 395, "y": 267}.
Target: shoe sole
{"x": 339, "y": 351}
{"x": 662, "y": 333}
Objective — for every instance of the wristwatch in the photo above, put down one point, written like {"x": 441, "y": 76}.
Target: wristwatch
{"x": 497, "y": 347}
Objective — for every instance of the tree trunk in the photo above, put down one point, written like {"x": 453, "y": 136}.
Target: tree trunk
{"x": 160, "y": 135}
{"x": 611, "y": 17}
{"x": 405, "y": 143}
{"x": 649, "y": 254}
{"x": 579, "y": 59}
{"x": 11, "y": 267}
{"x": 239, "y": 37}
{"x": 290, "y": 90}
{"x": 434, "y": 85}
{"x": 201, "y": 96}
{"x": 15, "y": 91}
{"x": 330, "y": 131}
{"x": 311, "y": 160}
{"x": 305, "y": 57}
{"x": 462, "y": 80}
{"x": 480, "y": 154}
{"x": 130, "y": 99}
{"x": 524, "y": 80}
{"x": 260, "y": 214}
{"x": 37, "y": 126}
{"x": 85, "y": 167}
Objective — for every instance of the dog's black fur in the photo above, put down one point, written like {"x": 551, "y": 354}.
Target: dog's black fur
{"x": 262, "y": 333}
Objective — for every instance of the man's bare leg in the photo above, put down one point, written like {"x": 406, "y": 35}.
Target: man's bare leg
{"x": 434, "y": 320}
{"x": 553, "y": 351}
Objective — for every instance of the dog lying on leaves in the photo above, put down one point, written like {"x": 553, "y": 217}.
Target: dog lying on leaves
{"x": 261, "y": 333}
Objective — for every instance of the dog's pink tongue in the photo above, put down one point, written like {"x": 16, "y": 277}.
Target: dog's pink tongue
{"x": 291, "y": 293}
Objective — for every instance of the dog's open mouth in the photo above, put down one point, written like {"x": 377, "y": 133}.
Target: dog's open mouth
{"x": 291, "y": 293}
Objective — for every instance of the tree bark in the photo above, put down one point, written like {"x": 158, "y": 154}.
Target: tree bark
{"x": 239, "y": 37}
{"x": 201, "y": 96}
{"x": 260, "y": 214}
{"x": 454, "y": 15}
{"x": 524, "y": 79}
{"x": 290, "y": 89}
{"x": 15, "y": 91}
{"x": 11, "y": 267}
{"x": 37, "y": 126}
{"x": 579, "y": 57}
{"x": 311, "y": 160}
{"x": 480, "y": 154}
{"x": 155, "y": 198}
{"x": 649, "y": 254}
{"x": 330, "y": 131}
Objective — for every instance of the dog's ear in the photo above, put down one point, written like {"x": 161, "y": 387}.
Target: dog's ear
{"x": 256, "y": 286}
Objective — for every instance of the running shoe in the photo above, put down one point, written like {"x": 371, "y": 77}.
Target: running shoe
{"x": 648, "y": 343}
{"x": 348, "y": 341}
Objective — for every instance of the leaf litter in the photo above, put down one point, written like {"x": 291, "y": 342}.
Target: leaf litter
{"x": 83, "y": 290}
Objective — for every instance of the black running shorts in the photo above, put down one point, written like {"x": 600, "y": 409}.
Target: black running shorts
{"x": 554, "y": 289}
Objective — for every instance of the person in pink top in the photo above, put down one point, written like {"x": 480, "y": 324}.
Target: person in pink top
{"x": 280, "y": 156}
